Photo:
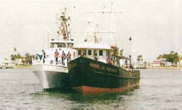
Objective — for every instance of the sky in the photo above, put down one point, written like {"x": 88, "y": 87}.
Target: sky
{"x": 154, "y": 25}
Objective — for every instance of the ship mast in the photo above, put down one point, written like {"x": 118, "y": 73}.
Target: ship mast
{"x": 95, "y": 38}
{"x": 63, "y": 29}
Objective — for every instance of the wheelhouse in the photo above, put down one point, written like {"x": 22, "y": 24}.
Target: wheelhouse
{"x": 102, "y": 53}
{"x": 94, "y": 51}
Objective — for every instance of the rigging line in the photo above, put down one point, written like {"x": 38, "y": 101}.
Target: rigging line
{"x": 111, "y": 17}
{"x": 54, "y": 2}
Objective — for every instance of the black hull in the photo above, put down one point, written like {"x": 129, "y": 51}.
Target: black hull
{"x": 61, "y": 79}
{"x": 91, "y": 76}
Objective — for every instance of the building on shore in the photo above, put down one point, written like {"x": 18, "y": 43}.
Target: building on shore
{"x": 7, "y": 64}
{"x": 161, "y": 63}
{"x": 156, "y": 63}
{"x": 18, "y": 61}
{"x": 1, "y": 66}
{"x": 168, "y": 64}
{"x": 140, "y": 64}
{"x": 179, "y": 63}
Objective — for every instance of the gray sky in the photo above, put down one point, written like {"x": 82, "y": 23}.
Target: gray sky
{"x": 154, "y": 25}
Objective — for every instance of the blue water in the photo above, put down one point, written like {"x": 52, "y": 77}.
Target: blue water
{"x": 159, "y": 90}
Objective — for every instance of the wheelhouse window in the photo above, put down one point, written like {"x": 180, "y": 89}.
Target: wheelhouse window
{"x": 52, "y": 45}
{"x": 60, "y": 45}
{"x": 107, "y": 53}
{"x": 89, "y": 52}
{"x": 84, "y": 52}
{"x": 95, "y": 52}
{"x": 79, "y": 52}
{"x": 100, "y": 52}
{"x": 70, "y": 45}
{"x": 55, "y": 45}
{"x": 63, "y": 45}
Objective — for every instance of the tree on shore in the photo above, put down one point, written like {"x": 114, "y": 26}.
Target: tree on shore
{"x": 159, "y": 57}
{"x": 15, "y": 56}
{"x": 172, "y": 57}
{"x": 27, "y": 59}
{"x": 139, "y": 58}
{"x": 15, "y": 49}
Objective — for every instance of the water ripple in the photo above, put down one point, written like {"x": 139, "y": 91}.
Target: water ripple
{"x": 159, "y": 90}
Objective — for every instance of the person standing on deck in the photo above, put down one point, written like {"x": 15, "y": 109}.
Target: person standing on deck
{"x": 56, "y": 54}
{"x": 63, "y": 57}
{"x": 69, "y": 56}
{"x": 43, "y": 55}
{"x": 109, "y": 60}
{"x": 74, "y": 54}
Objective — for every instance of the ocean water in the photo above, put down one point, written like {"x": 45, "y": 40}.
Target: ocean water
{"x": 159, "y": 90}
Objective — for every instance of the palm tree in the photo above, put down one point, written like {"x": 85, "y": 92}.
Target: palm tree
{"x": 13, "y": 57}
{"x": 140, "y": 58}
{"x": 15, "y": 50}
{"x": 159, "y": 57}
{"x": 28, "y": 58}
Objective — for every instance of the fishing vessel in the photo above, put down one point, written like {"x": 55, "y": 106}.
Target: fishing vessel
{"x": 50, "y": 66}
{"x": 100, "y": 68}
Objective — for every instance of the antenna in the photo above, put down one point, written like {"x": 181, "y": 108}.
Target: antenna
{"x": 111, "y": 17}
{"x": 102, "y": 12}
{"x": 48, "y": 39}
{"x": 63, "y": 29}
{"x": 103, "y": 32}
{"x": 100, "y": 32}
{"x": 130, "y": 39}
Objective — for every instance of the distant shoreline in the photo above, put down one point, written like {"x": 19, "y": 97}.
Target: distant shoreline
{"x": 30, "y": 66}
{"x": 23, "y": 67}
{"x": 164, "y": 68}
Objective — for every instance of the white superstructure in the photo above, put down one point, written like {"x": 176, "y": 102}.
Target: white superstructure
{"x": 52, "y": 73}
